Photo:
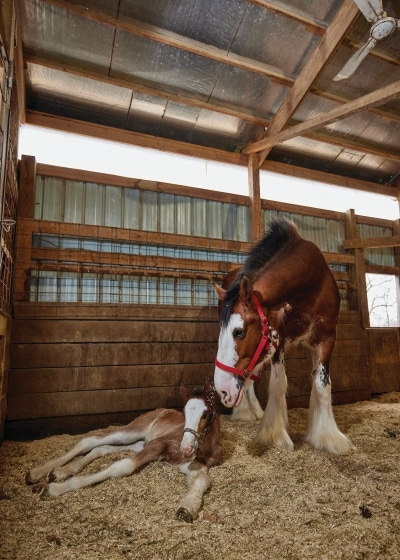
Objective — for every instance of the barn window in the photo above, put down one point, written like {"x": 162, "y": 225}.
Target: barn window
{"x": 383, "y": 300}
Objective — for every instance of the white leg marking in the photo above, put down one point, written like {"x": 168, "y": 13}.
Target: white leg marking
{"x": 323, "y": 432}
{"x": 272, "y": 429}
{"x": 250, "y": 408}
{"x": 198, "y": 482}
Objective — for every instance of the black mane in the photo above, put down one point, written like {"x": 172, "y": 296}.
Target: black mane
{"x": 279, "y": 233}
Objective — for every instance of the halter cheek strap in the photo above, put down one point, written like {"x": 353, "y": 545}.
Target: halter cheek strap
{"x": 264, "y": 344}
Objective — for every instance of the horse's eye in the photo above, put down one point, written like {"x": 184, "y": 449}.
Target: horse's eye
{"x": 239, "y": 333}
{"x": 204, "y": 415}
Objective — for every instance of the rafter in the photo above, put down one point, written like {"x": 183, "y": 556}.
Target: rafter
{"x": 379, "y": 97}
{"x": 329, "y": 42}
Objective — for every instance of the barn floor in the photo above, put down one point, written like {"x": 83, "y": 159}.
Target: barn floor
{"x": 271, "y": 504}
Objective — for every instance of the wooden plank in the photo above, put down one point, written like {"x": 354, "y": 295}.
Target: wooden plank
{"x": 101, "y": 311}
{"x": 89, "y": 378}
{"x": 39, "y": 405}
{"x": 372, "y": 242}
{"x": 385, "y": 365}
{"x": 70, "y": 355}
{"x": 71, "y": 330}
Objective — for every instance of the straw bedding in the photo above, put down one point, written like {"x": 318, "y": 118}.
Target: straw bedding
{"x": 263, "y": 503}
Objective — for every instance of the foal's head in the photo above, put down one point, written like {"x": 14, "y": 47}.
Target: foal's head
{"x": 199, "y": 413}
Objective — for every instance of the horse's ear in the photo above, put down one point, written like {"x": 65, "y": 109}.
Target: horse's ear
{"x": 219, "y": 290}
{"x": 246, "y": 290}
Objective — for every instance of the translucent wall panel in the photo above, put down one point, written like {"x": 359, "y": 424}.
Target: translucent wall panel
{"x": 327, "y": 234}
{"x": 94, "y": 204}
{"x": 68, "y": 286}
{"x": 131, "y": 210}
{"x": 382, "y": 257}
{"x": 167, "y": 212}
{"x": 113, "y": 207}
{"x": 183, "y": 215}
{"x": 90, "y": 288}
{"x": 74, "y": 202}
{"x": 149, "y": 211}
{"x": 52, "y": 203}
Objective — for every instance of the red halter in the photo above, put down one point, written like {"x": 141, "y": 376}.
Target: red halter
{"x": 264, "y": 344}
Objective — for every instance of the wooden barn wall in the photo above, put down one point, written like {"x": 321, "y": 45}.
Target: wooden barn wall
{"x": 9, "y": 126}
{"x": 78, "y": 366}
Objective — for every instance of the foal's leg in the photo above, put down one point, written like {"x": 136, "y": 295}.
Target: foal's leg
{"x": 250, "y": 408}
{"x": 272, "y": 429}
{"x": 129, "y": 434}
{"x": 198, "y": 482}
{"x": 77, "y": 466}
{"x": 125, "y": 467}
{"x": 323, "y": 432}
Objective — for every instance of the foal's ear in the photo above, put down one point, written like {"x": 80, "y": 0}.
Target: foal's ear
{"x": 246, "y": 290}
{"x": 219, "y": 290}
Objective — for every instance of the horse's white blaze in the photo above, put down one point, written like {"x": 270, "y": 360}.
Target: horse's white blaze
{"x": 227, "y": 385}
{"x": 194, "y": 410}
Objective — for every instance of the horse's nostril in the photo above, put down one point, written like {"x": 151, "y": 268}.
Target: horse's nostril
{"x": 224, "y": 395}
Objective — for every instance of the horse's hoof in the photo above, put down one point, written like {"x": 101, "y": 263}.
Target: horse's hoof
{"x": 184, "y": 515}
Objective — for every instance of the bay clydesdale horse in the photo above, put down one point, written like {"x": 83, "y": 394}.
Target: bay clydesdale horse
{"x": 284, "y": 291}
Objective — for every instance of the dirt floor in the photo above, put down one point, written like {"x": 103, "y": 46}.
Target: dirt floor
{"x": 263, "y": 504}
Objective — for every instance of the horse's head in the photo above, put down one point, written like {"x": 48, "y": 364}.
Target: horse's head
{"x": 245, "y": 340}
{"x": 199, "y": 413}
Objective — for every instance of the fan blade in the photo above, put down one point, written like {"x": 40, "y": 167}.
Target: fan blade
{"x": 371, "y": 9}
{"x": 352, "y": 64}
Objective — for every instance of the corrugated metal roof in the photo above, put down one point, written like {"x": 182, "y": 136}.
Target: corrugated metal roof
{"x": 214, "y": 73}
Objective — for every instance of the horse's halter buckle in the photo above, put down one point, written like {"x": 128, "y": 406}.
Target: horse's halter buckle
{"x": 264, "y": 344}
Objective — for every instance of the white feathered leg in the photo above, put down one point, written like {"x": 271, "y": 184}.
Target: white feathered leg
{"x": 323, "y": 432}
{"x": 272, "y": 429}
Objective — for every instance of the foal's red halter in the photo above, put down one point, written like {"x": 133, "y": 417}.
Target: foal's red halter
{"x": 264, "y": 344}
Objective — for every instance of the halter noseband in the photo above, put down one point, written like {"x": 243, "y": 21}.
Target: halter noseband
{"x": 264, "y": 344}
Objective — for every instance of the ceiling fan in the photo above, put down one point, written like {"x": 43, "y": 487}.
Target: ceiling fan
{"x": 382, "y": 26}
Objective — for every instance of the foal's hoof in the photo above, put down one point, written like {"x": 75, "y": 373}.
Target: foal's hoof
{"x": 184, "y": 515}
{"x": 28, "y": 478}
{"x": 40, "y": 489}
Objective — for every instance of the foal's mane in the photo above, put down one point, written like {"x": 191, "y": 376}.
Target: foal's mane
{"x": 279, "y": 233}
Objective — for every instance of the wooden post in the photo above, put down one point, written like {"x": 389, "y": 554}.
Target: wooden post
{"x": 27, "y": 180}
{"x": 358, "y": 275}
{"x": 255, "y": 200}
{"x": 396, "y": 231}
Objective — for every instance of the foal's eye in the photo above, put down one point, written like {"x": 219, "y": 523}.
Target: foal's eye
{"x": 204, "y": 415}
{"x": 238, "y": 333}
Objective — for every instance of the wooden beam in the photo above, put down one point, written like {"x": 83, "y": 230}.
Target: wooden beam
{"x": 372, "y": 242}
{"x": 132, "y": 138}
{"x": 255, "y": 200}
{"x": 378, "y": 97}
{"x": 94, "y": 130}
{"x": 329, "y": 42}
{"x": 311, "y": 24}
{"x": 131, "y": 85}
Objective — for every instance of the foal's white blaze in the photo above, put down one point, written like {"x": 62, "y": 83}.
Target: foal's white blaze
{"x": 229, "y": 388}
{"x": 194, "y": 410}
